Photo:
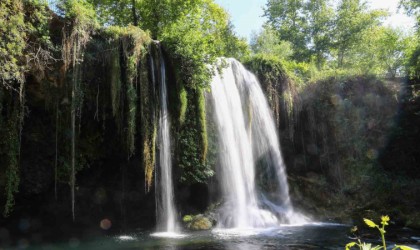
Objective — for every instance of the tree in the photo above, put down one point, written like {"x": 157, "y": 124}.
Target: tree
{"x": 394, "y": 50}
{"x": 381, "y": 51}
{"x": 289, "y": 19}
{"x": 268, "y": 42}
{"x": 320, "y": 18}
{"x": 352, "y": 20}
{"x": 412, "y": 8}
{"x": 234, "y": 46}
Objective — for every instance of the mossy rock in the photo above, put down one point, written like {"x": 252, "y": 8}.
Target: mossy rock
{"x": 198, "y": 222}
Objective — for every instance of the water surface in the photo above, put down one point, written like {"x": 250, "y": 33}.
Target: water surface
{"x": 315, "y": 236}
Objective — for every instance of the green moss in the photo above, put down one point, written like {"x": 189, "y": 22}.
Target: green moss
{"x": 183, "y": 102}
{"x": 194, "y": 167}
{"x": 129, "y": 46}
{"x": 201, "y": 110}
{"x": 148, "y": 122}
{"x": 131, "y": 119}
{"x": 198, "y": 222}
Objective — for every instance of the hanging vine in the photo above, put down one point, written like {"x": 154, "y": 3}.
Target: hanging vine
{"x": 11, "y": 146}
{"x": 148, "y": 118}
{"x": 80, "y": 22}
{"x": 24, "y": 48}
{"x": 115, "y": 78}
{"x": 128, "y": 46}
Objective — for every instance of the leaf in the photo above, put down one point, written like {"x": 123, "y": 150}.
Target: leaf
{"x": 403, "y": 247}
{"x": 350, "y": 245}
{"x": 369, "y": 223}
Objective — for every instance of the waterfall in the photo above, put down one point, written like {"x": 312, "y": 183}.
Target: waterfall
{"x": 247, "y": 133}
{"x": 165, "y": 208}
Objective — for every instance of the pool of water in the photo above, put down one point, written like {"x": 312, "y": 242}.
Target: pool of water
{"x": 314, "y": 236}
{"x": 309, "y": 236}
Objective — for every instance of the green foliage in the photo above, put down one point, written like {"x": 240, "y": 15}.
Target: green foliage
{"x": 25, "y": 43}
{"x": 232, "y": 46}
{"x": 272, "y": 70}
{"x": 320, "y": 18}
{"x": 351, "y": 22}
{"x": 128, "y": 46}
{"x": 268, "y": 42}
{"x": 128, "y": 63}
{"x": 307, "y": 25}
{"x": 203, "y": 21}
{"x": 381, "y": 229}
{"x": 412, "y": 8}
{"x": 80, "y": 12}
{"x": 80, "y": 23}
{"x": 134, "y": 43}
{"x": 383, "y": 51}
{"x": 194, "y": 40}
{"x": 413, "y": 65}
{"x": 270, "y": 65}
{"x": 23, "y": 48}
{"x": 38, "y": 17}
{"x": 346, "y": 40}
{"x": 13, "y": 42}
{"x": 192, "y": 159}
{"x": 111, "y": 12}
{"x": 39, "y": 48}
{"x": 187, "y": 218}
{"x": 284, "y": 17}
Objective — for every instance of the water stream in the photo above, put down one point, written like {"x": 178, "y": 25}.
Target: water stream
{"x": 247, "y": 133}
{"x": 165, "y": 207}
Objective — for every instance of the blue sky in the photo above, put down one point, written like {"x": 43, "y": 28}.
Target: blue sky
{"x": 247, "y": 15}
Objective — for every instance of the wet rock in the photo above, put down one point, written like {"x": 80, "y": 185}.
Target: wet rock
{"x": 197, "y": 222}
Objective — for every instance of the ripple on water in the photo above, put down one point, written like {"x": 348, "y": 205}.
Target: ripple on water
{"x": 242, "y": 232}
{"x": 171, "y": 235}
{"x": 125, "y": 238}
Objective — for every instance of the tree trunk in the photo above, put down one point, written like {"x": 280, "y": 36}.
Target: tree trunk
{"x": 133, "y": 10}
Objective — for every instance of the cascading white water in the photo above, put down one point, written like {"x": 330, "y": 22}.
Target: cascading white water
{"x": 247, "y": 132}
{"x": 165, "y": 208}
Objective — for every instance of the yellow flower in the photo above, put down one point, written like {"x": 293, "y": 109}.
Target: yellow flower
{"x": 385, "y": 220}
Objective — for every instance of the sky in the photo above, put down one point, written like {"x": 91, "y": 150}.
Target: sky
{"x": 247, "y": 15}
